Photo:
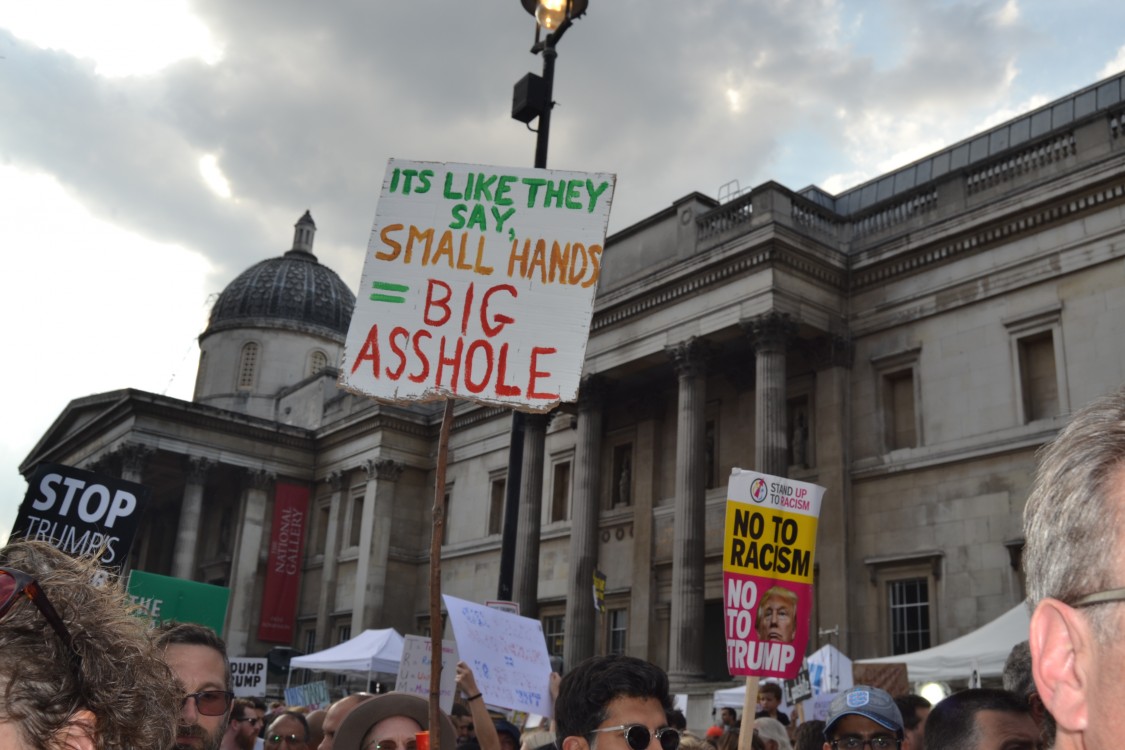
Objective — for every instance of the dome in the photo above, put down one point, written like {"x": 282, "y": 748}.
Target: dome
{"x": 294, "y": 291}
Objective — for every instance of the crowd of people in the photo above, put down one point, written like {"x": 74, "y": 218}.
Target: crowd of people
{"x": 78, "y": 671}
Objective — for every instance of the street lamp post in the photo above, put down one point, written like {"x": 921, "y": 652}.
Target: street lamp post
{"x": 531, "y": 99}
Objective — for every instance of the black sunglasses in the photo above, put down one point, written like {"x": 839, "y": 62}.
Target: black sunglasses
{"x": 638, "y": 736}
{"x": 210, "y": 702}
{"x": 15, "y": 584}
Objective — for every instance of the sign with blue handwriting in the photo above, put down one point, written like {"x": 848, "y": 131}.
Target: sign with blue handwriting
{"x": 507, "y": 653}
{"x": 414, "y": 669}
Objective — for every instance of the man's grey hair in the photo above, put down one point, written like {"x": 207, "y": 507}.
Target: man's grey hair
{"x": 1017, "y": 670}
{"x": 1071, "y": 519}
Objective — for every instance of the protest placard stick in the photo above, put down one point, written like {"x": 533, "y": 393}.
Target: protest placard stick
{"x": 749, "y": 708}
{"x": 435, "y": 575}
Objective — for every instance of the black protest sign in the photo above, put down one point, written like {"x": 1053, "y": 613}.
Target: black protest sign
{"x": 82, "y": 513}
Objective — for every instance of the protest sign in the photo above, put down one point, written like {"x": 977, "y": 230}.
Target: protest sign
{"x": 414, "y": 669}
{"x": 504, "y": 605}
{"x": 768, "y": 572}
{"x": 507, "y": 653}
{"x": 311, "y": 695}
{"x": 599, "y": 591}
{"x": 798, "y": 689}
{"x": 82, "y": 513}
{"x": 166, "y": 599}
{"x": 248, "y": 677}
{"x": 283, "y": 574}
{"x": 479, "y": 284}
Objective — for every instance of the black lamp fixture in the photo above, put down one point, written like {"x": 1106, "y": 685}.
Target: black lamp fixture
{"x": 531, "y": 99}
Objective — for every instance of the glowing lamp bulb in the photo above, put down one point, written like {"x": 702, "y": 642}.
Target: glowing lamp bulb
{"x": 550, "y": 13}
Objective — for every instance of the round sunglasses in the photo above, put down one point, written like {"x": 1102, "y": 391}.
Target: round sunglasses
{"x": 638, "y": 736}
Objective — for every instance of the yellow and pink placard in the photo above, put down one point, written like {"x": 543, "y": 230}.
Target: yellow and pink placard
{"x": 768, "y": 572}
{"x": 478, "y": 283}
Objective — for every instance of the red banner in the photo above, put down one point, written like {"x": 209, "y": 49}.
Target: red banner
{"x": 283, "y": 578}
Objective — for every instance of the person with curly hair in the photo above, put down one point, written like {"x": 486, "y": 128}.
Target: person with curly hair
{"x": 78, "y": 669}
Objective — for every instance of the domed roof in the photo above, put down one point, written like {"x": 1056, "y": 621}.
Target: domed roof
{"x": 293, "y": 291}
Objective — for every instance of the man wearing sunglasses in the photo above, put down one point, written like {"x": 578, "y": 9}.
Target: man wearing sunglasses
{"x": 615, "y": 703}
{"x": 289, "y": 731}
{"x": 246, "y": 716}
{"x": 198, "y": 658}
{"x": 863, "y": 717}
{"x": 1075, "y": 571}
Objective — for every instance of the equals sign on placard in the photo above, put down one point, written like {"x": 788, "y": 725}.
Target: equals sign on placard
{"x": 384, "y": 287}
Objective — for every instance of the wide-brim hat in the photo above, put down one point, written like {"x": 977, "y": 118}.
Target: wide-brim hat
{"x": 369, "y": 713}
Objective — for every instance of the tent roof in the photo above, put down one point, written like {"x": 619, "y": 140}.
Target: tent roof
{"x": 370, "y": 651}
{"x": 984, "y": 649}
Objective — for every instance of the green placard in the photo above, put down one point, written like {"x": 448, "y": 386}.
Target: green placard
{"x": 165, "y": 598}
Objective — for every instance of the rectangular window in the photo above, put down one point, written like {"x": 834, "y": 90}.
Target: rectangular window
{"x": 908, "y": 602}
{"x": 554, "y": 631}
{"x": 310, "y": 641}
{"x": 901, "y": 432}
{"x": 618, "y": 620}
{"x": 560, "y": 491}
{"x": 356, "y": 523}
{"x": 496, "y": 505}
{"x": 1037, "y": 376}
{"x": 343, "y": 633}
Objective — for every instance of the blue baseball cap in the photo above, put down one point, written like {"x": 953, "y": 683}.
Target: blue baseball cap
{"x": 868, "y": 702}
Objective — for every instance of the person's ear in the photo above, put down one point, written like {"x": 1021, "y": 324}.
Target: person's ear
{"x": 78, "y": 732}
{"x": 575, "y": 743}
{"x": 1061, "y": 642}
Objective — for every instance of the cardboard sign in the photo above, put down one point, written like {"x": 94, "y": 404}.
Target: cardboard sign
{"x": 248, "y": 677}
{"x": 414, "y": 669}
{"x": 163, "y": 599}
{"x": 768, "y": 572}
{"x": 82, "y": 513}
{"x": 479, "y": 284}
{"x": 311, "y": 695}
{"x": 507, "y": 653}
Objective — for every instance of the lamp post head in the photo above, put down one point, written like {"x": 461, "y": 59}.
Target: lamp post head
{"x": 550, "y": 14}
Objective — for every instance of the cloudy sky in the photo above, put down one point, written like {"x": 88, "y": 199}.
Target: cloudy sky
{"x": 150, "y": 150}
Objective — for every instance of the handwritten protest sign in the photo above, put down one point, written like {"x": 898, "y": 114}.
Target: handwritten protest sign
{"x": 82, "y": 513}
{"x": 507, "y": 653}
{"x": 478, "y": 283}
{"x": 311, "y": 695}
{"x": 768, "y": 572}
{"x": 414, "y": 669}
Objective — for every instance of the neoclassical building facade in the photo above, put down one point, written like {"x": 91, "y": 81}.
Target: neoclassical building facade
{"x": 908, "y": 344}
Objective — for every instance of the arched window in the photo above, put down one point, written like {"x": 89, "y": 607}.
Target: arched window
{"x": 248, "y": 366}
{"x": 318, "y": 360}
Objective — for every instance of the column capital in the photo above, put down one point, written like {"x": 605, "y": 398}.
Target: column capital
{"x": 770, "y": 332}
{"x": 834, "y": 350}
{"x": 592, "y": 390}
{"x": 537, "y": 422}
{"x": 197, "y": 467}
{"x": 384, "y": 469}
{"x": 258, "y": 479}
{"x": 335, "y": 480}
{"x": 689, "y": 357}
{"x": 133, "y": 457}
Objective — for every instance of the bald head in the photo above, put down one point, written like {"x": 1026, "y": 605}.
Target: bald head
{"x": 335, "y": 716}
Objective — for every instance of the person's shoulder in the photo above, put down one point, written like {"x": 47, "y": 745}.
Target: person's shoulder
{"x": 783, "y": 718}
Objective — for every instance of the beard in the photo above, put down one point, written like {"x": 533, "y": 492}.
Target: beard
{"x": 207, "y": 742}
{"x": 245, "y": 741}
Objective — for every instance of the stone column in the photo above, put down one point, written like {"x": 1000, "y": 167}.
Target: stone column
{"x": 326, "y": 597}
{"x": 191, "y": 511}
{"x": 685, "y": 646}
{"x": 525, "y": 579}
{"x": 580, "y": 616}
{"x": 374, "y": 546}
{"x": 770, "y": 334}
{"x": 247, "y": 557}
{"x": 133, "y": 459}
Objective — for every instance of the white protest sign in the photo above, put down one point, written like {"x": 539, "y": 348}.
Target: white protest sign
{"x": 414, "y": 669}
{"x": 507, "y": 653}
{"x": 248, "y": 677}
{"x": 479, "y": 284}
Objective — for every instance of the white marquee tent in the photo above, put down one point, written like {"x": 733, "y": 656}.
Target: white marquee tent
{"x": 369, "y": 652}
{"x": 983, "y": 650}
